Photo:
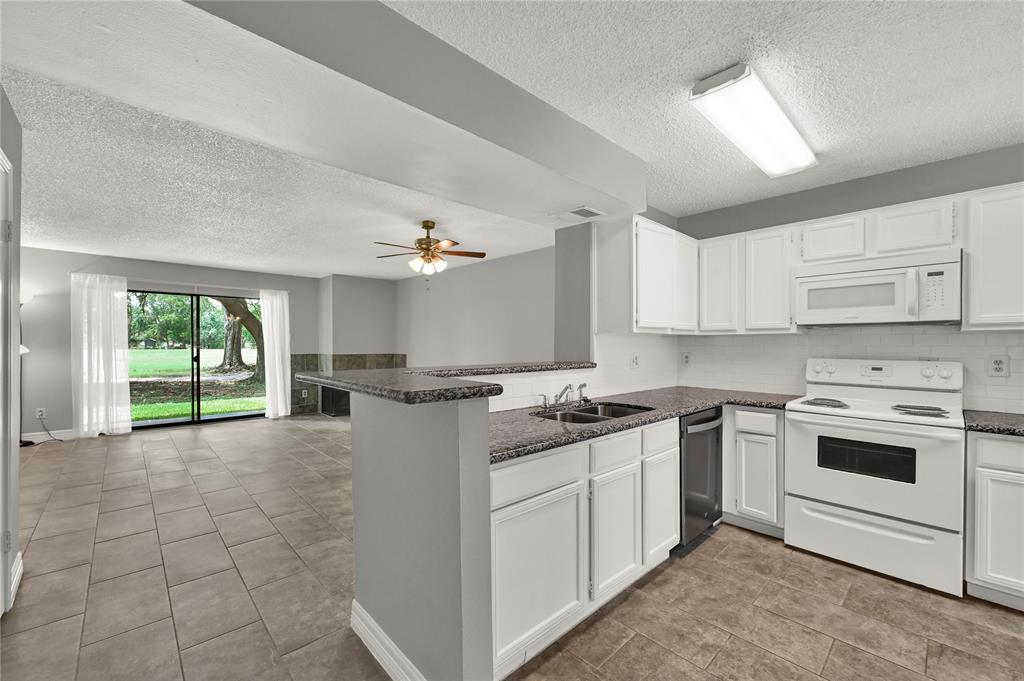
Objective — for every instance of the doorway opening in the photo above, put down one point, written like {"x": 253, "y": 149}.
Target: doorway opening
{"x": 194, "y": 358}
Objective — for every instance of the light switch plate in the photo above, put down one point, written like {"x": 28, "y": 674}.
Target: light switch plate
{"x": 999, "y": 365}
{"x": 634, "y": 360}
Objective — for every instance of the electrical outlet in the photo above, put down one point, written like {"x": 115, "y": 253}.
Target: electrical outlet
{"x": 40, "y": 412}
{"x": 634, "y": 360}
{"x": 685, "y": 358}
{"x": 999, "y": 365}
{"x": 305, "y": 393}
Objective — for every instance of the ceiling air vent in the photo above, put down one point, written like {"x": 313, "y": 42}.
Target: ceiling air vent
{"x": 585, "y": 212}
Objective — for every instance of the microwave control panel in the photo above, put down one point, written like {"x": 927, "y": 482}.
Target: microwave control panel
{"x": 940, "y": 291}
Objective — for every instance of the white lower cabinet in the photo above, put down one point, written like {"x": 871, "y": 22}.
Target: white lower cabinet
{"x": 539, "y": 566}
{"x": 561, "y": 548}
{"x": 756, "y": 488}
{"x": 661, "y": 504}
{"x": 995, "y": 518}
{"x": 615, "y": 527}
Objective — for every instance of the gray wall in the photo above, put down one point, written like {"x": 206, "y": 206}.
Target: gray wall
{"x": 362, "y": 315}
{"x": 660, "y": 217}
{"x": 573, "y": 271}
{"x": 964, "y": 173}
{"x": 493, "y": 311}
{"x": 46, "y": 318}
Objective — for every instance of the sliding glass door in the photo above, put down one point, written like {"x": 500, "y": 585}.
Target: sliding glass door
{"x": 194, "y": 357}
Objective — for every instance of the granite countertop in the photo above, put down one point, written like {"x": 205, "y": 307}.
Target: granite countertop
{"x": 996, "y": 422}
{"x": 430, "y": 384}
{"x": 517, "y": 433}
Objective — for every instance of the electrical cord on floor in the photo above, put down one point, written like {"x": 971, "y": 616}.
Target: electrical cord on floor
{"x": 42, "y": 422}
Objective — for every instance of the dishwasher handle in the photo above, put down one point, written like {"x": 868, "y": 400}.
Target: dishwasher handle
{"x": 701, "y": 427}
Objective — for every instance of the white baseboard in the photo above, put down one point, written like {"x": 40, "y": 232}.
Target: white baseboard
{"x": 389, "y": 655}
{"x": 42, "y": 436}
{"x": 17, "y": 569}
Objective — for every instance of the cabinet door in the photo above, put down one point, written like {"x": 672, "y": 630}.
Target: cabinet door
{"x": 661, "y": 504}
{"x": 833, "y": 239}
{"x": 756, "y": 493}
{"x": 995, "y": 250}
{"x": 686, "y": 297}
{"x": 654, "y": 270}
{"x": 615, "y": 525}
{"x": 908, "y": 228}
{"x": 768, "y": 281}
{"x": 538, "y": 565}
{"x": 998, "y": 536}
{"x": 719, "y": 284}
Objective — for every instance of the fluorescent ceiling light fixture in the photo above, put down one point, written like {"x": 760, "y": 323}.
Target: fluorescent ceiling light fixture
{"x": 740, "y": 106}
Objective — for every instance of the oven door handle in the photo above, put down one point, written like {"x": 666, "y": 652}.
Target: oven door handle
{"x": 953, "y": 436}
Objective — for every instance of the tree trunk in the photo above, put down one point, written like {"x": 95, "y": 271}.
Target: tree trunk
{"x": 238, "y": 308}
{"x": 232, "y": 360}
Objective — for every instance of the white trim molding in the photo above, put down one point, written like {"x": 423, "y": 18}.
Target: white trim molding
{"x": 17, "y": 570}
{"x": 41, "y": 437}
{"x": 384, "y": 650}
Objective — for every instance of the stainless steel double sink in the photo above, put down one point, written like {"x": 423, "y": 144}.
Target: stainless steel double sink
{"x": 593, "y": 413}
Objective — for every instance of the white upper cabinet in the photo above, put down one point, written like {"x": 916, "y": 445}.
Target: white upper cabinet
{"x": 720, "y": 283}
{"x": 686, "y": 284}
{"x": 993, "y": 258}
{"x": 833, "y": 239}
{"x": 914, "y": 227}
{"x": 768, "y": 280}
{"x": 654, "y": 269}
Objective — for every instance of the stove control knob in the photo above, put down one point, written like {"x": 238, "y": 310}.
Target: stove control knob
{"x": 830, "y": 369}
{"x": 817, "y": 368}
{"x": 946, "y": 373}
{"x": 927, "y": 372}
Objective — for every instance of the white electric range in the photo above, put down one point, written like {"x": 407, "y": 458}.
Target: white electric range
{"x": 875, "y": 467}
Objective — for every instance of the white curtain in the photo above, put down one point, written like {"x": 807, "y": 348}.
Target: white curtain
{"x": 99, "y": 355}
{"x": 277, "y": 352}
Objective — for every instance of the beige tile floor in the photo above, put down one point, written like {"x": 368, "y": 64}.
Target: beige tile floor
{"x": 224, "y": 552}
{"x": 221, "y": 553}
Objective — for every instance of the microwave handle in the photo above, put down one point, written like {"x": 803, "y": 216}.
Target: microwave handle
{"x": 912, "y": 290}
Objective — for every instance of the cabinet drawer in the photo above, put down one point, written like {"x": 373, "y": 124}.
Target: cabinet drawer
{"x": 530, "y": 478}
{"x": 615, "y": 451}
{"x": 660, "y": 437}
{"x": 756, "y": 422}
{"x": 1005, "y": 454}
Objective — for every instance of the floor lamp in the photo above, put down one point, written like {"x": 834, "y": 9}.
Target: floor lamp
{"x": 22, "y": 350}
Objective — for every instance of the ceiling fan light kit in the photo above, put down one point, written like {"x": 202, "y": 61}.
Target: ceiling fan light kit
{"x": 429, "y": 252}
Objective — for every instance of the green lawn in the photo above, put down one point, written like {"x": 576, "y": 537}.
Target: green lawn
{"x": 144, "y": 363}
{"x": 171, "y": 410}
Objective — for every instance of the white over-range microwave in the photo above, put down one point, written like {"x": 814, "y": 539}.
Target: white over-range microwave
{"x": 903, "y": 289}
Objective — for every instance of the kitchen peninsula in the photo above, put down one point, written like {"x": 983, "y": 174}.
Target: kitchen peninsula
{"x": 423, "y": 447}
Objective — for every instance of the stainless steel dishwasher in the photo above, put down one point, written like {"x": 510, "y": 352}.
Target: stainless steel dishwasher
{"x": 700, "y": 441}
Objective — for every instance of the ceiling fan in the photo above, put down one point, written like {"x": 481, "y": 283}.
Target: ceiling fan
{"x": 430, "y": 252}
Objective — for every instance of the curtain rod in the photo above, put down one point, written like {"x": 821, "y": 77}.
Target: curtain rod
{"x": 195, "y": 287}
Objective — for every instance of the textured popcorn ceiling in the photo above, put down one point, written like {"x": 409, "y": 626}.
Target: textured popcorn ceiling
{"x": 104, "y": 177}
{"x": 873, "y": 86}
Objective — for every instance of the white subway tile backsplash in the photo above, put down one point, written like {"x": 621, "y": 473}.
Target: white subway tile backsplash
{"x": 776, "y": 363}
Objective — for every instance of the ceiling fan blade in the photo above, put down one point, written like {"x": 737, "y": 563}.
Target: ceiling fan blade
{"x": 384, "y": 243}
{"x": 445, "y": 244}
{"x": 394, "y": 255}
{"x": 467, "y": 254}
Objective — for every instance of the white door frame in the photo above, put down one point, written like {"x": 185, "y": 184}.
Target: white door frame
{"x": 10, "y": 393}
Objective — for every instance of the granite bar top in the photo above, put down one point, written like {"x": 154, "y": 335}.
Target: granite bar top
{"x": 516, "y": 433}
{"x": 420, "y": 385}
{"x": 996, "y": 422}
{"x": 402, "y": 385}
{"x": 497, "y": 369}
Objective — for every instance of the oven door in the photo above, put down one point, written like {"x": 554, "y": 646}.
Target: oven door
{"x": 904, "y": 471}
{"x": 882, "y": 296}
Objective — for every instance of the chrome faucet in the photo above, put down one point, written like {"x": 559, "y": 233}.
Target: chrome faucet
{"x": 579, "y": 392}
{"x": 565, "y": 391}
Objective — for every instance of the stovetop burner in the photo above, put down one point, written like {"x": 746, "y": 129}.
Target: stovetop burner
{"x": 825, "y": 402}
{"x": 921, "y": 410}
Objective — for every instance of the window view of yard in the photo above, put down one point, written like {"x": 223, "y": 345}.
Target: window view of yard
{"x": 231, "y": 375}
